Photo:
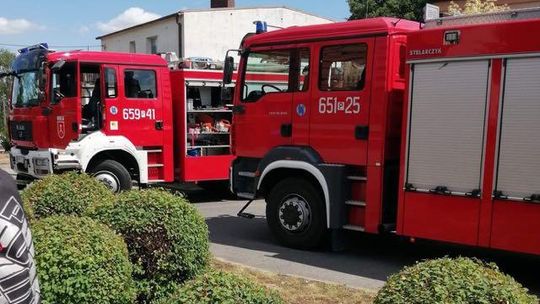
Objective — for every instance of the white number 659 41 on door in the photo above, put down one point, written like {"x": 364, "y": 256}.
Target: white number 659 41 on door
{"x": 137, "y": 114}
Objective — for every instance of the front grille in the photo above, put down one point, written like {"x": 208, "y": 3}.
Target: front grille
{"x": 22, "y": 167}
{"x": 21, "y": 130}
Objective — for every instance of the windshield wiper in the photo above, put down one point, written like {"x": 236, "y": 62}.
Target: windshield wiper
{"x": 9, "y": 74}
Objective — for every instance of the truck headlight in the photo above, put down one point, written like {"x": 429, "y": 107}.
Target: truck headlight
{"x": 41, "y": 162}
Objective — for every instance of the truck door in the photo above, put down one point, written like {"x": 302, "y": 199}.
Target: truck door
{"x": 301, "y": 77}
{"x": 111, "y": 96}
{"x": 340, "y": 100}
{"x": 262, "y": 118}
{"x": 134, "y": 104}
{"x": 515, "y": 210}
{"x": 64, "y": 108}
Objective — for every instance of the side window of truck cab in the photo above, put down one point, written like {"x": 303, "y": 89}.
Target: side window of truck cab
{"x": 64, "y": 83}
{"x": 140, "y": 84}
{"x": 111, "y": 83}
{"x": 276, "y": 71}
{"x": 343, "y": 67}
{"x": 274, "y": 65}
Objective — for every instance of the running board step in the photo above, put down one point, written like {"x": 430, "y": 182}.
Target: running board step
{"x": 357, "y": 178}
{"x": 156, "y": 181}
{"x": 246, "y": 195}
{"x": 354, "y": 228}
{"x": 246, "y": 174}
{"x": 355, "y": 203}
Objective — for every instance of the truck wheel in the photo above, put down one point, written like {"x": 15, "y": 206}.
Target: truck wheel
{"x": 295, "y": 214}
{"x": 115, "y": 176}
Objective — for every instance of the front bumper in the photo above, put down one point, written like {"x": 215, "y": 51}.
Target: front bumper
{"x": 39, "y": 163}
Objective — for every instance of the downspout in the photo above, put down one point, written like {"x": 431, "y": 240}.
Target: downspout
{"x": 180, "y": 23}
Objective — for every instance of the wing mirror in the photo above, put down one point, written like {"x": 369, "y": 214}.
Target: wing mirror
{"x": 58, "y": 65}
{"x": 228, "y": 70}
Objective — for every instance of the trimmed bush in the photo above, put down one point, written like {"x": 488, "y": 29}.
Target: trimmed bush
{"x": 4, "y": 142}
{"x": 66, "y": 194}
{"x": 456, "y": 281}
{"x": 221, "y": 287}
{"x": 167, "y": 238}
{"x": 81, "y": 261}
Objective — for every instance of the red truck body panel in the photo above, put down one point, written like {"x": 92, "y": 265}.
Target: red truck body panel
{"x": 485, "y": 221}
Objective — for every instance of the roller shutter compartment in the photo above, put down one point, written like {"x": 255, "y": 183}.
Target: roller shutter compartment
{"x": 446, "y": 126}
{"x": 518, "y": 173}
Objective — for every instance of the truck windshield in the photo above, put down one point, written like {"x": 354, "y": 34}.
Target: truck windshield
{"x": 28, "y": 68}
{"x": 25, "y": 90}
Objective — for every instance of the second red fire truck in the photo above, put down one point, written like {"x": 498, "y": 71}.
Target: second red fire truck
{"x": 387, "y": 127}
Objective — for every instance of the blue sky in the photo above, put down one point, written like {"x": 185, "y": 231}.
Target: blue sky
{"x": 77, "y": 23}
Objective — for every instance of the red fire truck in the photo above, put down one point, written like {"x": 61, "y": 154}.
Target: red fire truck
{"x": 121, "y": 117}
{"x": 387, "y": 127}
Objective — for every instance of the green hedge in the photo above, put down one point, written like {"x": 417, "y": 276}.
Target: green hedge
{"x": 81, "y": 261}
{"x": 220, "y": 287}
{"x": 166, "y": 237}
{"x": 456, "y": 281}
{"x": 4, "y": 141}
{"x": 66, "y": 194}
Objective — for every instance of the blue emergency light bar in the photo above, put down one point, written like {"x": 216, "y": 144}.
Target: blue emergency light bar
{"x": 44, "y": 46}
{"x": 261, "y": 27}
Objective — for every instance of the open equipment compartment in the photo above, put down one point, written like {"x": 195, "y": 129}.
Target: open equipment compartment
{"x": 208, "y": 120}
{"x": 202, "y": 121}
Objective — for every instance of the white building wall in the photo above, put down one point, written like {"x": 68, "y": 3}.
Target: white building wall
{"x": 206, "y": 33}
{"x": 166, "y": 31}
{"x": 212, "y": 33}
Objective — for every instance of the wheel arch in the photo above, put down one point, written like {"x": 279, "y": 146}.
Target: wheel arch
{"x": 128, "y": 160}
{"x": 276, "y": 170}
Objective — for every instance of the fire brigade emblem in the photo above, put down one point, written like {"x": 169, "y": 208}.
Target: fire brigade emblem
{"x": 114, "y": 110}
{"x": 301, "y": 110}
{"x": 60, "y": 127}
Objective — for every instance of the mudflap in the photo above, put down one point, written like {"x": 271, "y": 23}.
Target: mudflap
{"x": 336, "y": 211}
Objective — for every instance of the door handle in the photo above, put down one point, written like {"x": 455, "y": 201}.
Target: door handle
{"x": 361, "y": 132}
{"x": 239, "y": 109}
{"x": 159, "y": 125}
{"x": 46, "y": 111}
{"x": 286, "y": 130}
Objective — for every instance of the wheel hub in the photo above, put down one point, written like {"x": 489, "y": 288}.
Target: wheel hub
{"x": 109, "y": 180}
{"x": 294, "y": 214}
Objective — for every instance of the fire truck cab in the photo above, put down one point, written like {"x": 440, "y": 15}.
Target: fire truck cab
{"x": 102, "y": 113}
{"x": 384, "y": 126}
{"x": 314, "y": 145}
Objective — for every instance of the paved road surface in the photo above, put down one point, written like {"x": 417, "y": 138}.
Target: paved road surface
{"x": 366, "y": 263}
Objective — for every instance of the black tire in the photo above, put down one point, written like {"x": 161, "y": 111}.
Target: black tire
{"x": 311, "y": 232}
{"x": 115, "y": 170}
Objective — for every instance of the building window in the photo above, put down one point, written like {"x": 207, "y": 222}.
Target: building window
{"x": 132, "y": 47}
{"x": 140, "y": 84}
{"x": 342, "y": 67}
{"x": 151, "y": 45}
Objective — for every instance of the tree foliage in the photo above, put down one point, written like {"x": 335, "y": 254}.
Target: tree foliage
{"x": 407, "y": 9}
{"x": 6, "y": 57}
{"x": 476, "y": 7}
